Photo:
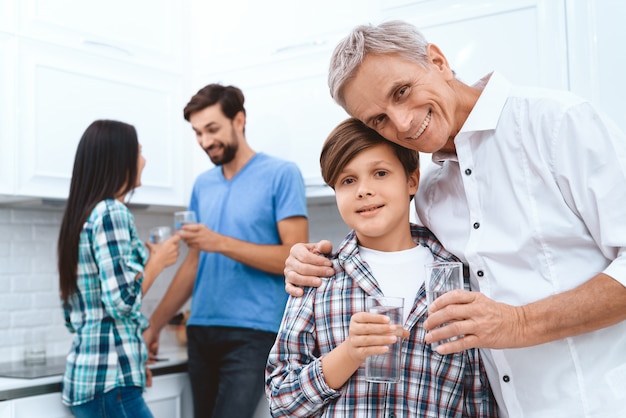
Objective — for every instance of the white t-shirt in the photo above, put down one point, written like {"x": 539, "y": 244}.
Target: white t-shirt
{"x": 399, "y": 273}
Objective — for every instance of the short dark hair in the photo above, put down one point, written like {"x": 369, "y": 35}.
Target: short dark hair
{"x": 350, "y": 138}
{"x": 230, "y": 98}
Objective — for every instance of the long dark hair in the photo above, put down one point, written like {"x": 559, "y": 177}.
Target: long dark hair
{"x": 105, "y": 166}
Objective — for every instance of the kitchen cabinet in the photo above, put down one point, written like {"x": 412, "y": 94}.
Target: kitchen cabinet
{"x": 243, "y": 32}
{"x": 65, "y": 65}
{"x": 48, "y": 405}
{"x": 60, "y": 92}
{"x": 7, "y": 20}
{"x": 148, "y": 32}
{"x": 7, "y": 113}
{"x": 596, "y": 33}
{"x": 168, "y": 397}
{"x": 6, "y": 410}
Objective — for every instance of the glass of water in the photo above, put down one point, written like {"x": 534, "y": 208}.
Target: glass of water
{"x": 184, "y": 217}
{"x": 441, "y": 278}
{"x": 159, "y": 234}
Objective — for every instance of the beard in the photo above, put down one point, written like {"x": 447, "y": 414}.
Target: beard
{"x": 229, "y": 151}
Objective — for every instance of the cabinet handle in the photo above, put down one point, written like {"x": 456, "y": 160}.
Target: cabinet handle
{"x": 98, "y": 44}
{"x": 304, "y": 45}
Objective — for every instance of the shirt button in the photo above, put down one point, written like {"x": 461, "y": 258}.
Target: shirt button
{"x": 476, "y": 225}
{"x": 392, "y": 415}
{"x": 506, "y": 378}
{"x": 468, "y": 171}
{"x": 480, "y": 273}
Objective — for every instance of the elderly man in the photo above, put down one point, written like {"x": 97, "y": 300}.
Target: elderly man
{"x": 529, "y": 191}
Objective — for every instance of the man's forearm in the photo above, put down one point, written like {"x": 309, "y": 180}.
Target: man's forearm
{"x": 178, "y": 292}
{"x": 268, "y": 258}
{"x": 596, "y": 304}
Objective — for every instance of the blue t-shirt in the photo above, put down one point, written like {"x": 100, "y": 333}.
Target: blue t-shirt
{"x": 247, "y": 207}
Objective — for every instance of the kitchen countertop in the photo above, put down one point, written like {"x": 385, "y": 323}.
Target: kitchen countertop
{"x": 172, "y": 359}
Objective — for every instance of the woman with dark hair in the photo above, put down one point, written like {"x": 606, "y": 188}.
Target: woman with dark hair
{"x": 104, "y": 270}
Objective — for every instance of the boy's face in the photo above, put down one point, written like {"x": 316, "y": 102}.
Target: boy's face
{"x": 373, "y": 195}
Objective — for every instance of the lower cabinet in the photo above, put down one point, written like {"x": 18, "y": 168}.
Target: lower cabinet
{"x": 168, "y": 397}
{"x": 48, "y": 405}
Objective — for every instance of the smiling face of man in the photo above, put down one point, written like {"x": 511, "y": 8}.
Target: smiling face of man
{"x": 216, "y": 134}
{"x": 412, "y": 105}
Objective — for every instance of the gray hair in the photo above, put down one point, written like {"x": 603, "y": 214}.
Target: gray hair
{"x": 393, "y": 37}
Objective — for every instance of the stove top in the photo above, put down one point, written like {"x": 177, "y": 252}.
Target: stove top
{"x": 54, "y": 366}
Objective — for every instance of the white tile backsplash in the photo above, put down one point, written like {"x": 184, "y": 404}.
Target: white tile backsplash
{"x": 29, "y": 300}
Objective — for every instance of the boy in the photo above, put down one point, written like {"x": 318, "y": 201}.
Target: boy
{"x": 315, "y": 368}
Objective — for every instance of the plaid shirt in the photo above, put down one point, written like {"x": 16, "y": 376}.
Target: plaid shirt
{"x": 108, "y": 350}
{"x": 432, "y": 385}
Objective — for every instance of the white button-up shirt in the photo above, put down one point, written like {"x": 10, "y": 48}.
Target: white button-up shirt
{"x": 534, "y": 201}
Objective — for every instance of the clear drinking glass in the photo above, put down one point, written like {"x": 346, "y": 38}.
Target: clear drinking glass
{"x": 159, "y": 234}
{"x": 385, "y": 368}
{"x": 441, "y": 278}
{"x": 184, "y": 217}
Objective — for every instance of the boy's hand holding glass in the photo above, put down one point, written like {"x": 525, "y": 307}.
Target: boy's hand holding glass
{"x": 371, "y": 335}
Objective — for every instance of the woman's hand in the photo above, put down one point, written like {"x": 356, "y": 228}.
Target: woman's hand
{"x": 165, "y": 253}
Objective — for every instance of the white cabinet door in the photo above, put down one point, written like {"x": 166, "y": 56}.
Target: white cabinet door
{"x": 170, "y": 396}
{"x": 523, "y": 39}
{"x": 596, "y": 34}
{"x": 6, "y": 409}
{"x": 241, "y": 31}
{"x": 7, "y": 114}
{"x": 48, "y": 406}
{"x": 60, "y": 92}
{"x": 146, "y": 31}
{"x": 7, "y": 15}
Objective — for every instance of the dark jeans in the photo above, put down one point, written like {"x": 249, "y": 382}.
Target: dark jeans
{"x": 124, "y": 402}
{"x": 227, "y": 370}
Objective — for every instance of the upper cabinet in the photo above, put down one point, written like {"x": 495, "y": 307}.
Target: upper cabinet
{"x": 7, "y": 113}
{"x": 525, "y": 40}
{"x": 596, "y": 34}
{"x": 233, "y": 33}
{"x": 141, "y": 31}
{"x": 62, "y": 92}
{"x": 7, "y": 15}
{"x": 67, "y": 64}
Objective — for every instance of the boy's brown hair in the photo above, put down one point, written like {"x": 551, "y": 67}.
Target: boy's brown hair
{"x": 350, "y": 138}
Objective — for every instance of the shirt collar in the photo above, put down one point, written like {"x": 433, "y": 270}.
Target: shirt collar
{"x": 486, "y": 112}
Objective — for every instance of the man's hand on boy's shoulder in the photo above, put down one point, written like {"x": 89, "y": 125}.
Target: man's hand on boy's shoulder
{"x": 305, "y": 266}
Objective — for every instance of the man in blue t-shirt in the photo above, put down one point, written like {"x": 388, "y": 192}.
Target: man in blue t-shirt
{"x": 251, "y": 209}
